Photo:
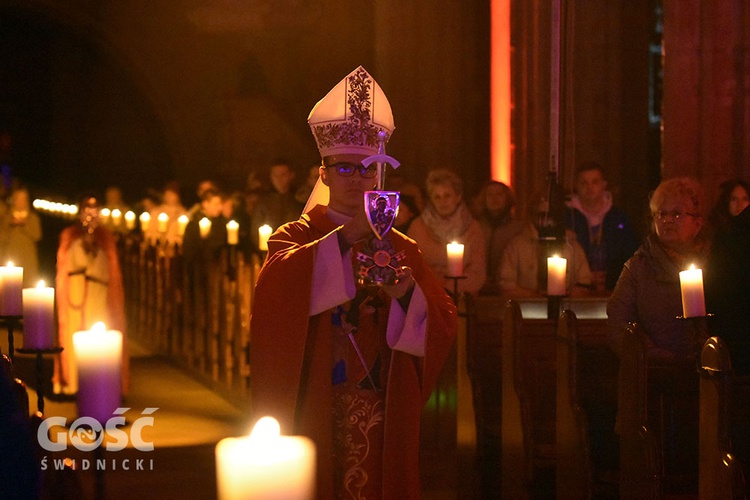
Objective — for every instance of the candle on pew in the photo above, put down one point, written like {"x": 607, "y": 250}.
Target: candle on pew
{"x": 205, "y": 227}
{"x": 11, "y": 286}
{"x": 145, "y": 219}
{"x": 265, "y": 465}
{"x": 556, "y": 270}
{"x": 455, "y": 253}
{"x": 98, "y": 355}
{"x": 182, "y": 222}
{"x": 116, "y": 217}
{"x": 38, "y": 317}
{"x": 163, "y": 221}
{"x": 264, "y": 232}
{"x": 691, "y": 288}
{"x": 233, "y": 229}
{"x": 130, "y": 220}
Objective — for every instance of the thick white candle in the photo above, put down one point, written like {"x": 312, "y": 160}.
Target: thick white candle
{"x": 691, "y": 287}
{"x": 130, "y": 220}
{"x": 116, "y": 217}
{"x": 145, "y": 219}
{"x": 11, "y": 286}
{"x": 98, "y": 354}
{"x": 182, "y": 222}
{"x": 233, "y": 232}
{"x": 455, "y": 259}
{"x": 104, "y": 213}
{"x": 556, "y": 269}
{"x": 163, "y": 220}
{"x": 38, "y": 317}
{"x": 264, "y": 232}
{"x": 265, "y": 465}
{"x": 205, "y": 227}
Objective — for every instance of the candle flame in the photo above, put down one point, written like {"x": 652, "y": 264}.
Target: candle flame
{"x": 40, "y": 284}
{"x": 163, "y": 216}
{"x": 10, "y": 264}
{"x": 265, "y": 429}
{"x": 99, "y": 327}
{"x": 692, "y": 267}
{"x": 183, "y": 218}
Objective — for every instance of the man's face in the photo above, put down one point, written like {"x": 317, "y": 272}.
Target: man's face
{"x": 347, "y": 192}
{"x": 590, "y": 186}
{"x": 281, "y": 178}
{"x": 212, "y": 206}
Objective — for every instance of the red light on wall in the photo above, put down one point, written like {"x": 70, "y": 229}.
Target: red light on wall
{"x": 500, "y": 102}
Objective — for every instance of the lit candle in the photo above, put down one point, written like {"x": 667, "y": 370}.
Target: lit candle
{"x": 11, "y": 286}
{"x": 233, "y": 229}
{"x": 163, "y": 221}
{"x": 182, "y": 222}
{"x": 98, "y": 354}
{"x": 38, "y": 317}
{"x": 455, "y": 258}
{"x": 556, "y": 269}
{"x": 691, "y": 287}
{"x": 205, "y": 227}
{"x": 130, "y": 220}
{"x": 265, "y": 465}
{"x": 104, "y": 213}
{"x": 264, "y": 232}
{"x": 116, "y": 217}
{"x": 145, "y": 219}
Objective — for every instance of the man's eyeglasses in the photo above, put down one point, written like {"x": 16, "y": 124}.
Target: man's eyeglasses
{"x": 347, "y": 169}
{"x": 674, "y": 215}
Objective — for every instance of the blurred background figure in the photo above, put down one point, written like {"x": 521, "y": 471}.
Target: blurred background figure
{"x": 200, "y": 189}
{"x": 305, "y": 189}
{"x": 445, "y": 219}
{"x": 88, "y": 289}
{"x": 603, "y": 230}
{"x": 734, "y": 197}
{"x": 495, "y": 205}
{"x": 172, "y": 206}
{"x": 523, "y": 266}
{"x": 407, "y": 212}
{"x": 279, "y": 204}
{"x": 20, "y": 231}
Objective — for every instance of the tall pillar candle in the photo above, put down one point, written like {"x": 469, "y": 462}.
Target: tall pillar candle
{"x": 38, "y": 317}
{"x": 98, "y": 354}
{"x": 265, "y": 465}
{"x": 11, "y": 286}
{"x": 233, "y": 229}
{"x": 130, "y": 220}
{"x": 182, "y": 222}
{"x": 204, "y": 225}
{"x": 556, "y": 270}
{"x": 691, "y": 288}
{"x": 264, "y": 232}
{"x": 162, "y": 221}
{"x": 455, "y": 253}
{"x": 145, "y": 219}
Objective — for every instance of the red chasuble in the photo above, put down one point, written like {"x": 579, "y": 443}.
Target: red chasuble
{"x": 306, "y": 374}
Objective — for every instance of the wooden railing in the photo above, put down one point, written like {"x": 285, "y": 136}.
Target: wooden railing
{"x": 197, "y": 315}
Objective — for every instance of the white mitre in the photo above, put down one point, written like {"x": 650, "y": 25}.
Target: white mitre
{"x": 347, "y": 121}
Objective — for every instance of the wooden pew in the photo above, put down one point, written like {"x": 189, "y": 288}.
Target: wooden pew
{"x": 640, "y": 460}
{"x": 720, "y": 475}
{"x": 544, "y": 434}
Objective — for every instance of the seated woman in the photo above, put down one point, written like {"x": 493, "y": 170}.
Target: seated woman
{"x": 445, "y": 219}
{"x": 648, "y": 291}
{"x": 496, "y": 217}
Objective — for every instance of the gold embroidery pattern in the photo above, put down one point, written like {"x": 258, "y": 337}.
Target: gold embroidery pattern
{"x": 358, "y": 129}
{"x": 360, "y": 435}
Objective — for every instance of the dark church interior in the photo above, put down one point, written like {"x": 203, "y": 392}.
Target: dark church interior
{"x": 534, "y": 399}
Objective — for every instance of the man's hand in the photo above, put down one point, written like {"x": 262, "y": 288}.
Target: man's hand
{"x": 402, "y": 289}
{"x": 353, "y": 231}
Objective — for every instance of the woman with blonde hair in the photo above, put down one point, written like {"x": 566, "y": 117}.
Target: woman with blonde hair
{"x": 446, "y": 219}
